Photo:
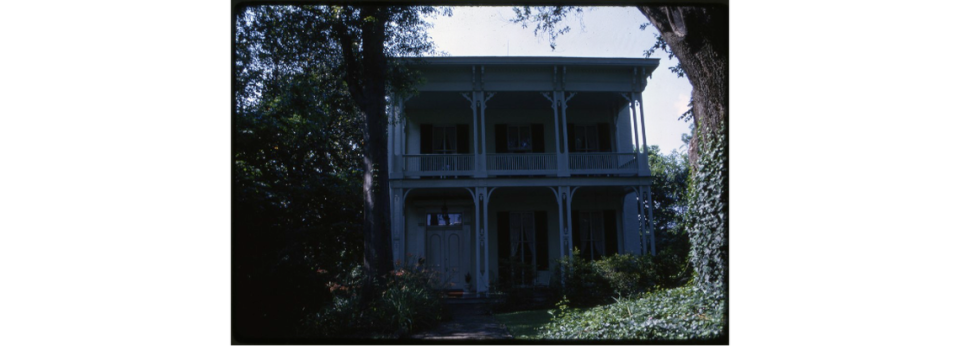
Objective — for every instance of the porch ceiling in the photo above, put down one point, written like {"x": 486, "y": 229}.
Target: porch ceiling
{"x": 513, "y": 100}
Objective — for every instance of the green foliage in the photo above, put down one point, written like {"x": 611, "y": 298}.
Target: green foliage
{"x": 669, "y": 195}
{"x": 707, "y": 217}
{"x": 588, "y": 283}
{"x": 296, "y": 168}
{"x": 583, "y": 283}
{"x": 677, "y": 314}
{"x": 409, "y": 301}
{"x": 515, "y": 273}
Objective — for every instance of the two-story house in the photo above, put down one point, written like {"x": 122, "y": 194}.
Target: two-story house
{"x": 501, "y": 165}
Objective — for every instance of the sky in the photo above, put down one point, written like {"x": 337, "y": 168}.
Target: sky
{"x": 605, "y": 32}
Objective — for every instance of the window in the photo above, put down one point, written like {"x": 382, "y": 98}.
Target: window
{"x": 445, "y": 139}
{"x": 592, "y": 246}
{"x": 522, "y": 237}
{"x": 439, "y": 220}
{"x": 519, "y": 138}
{"x": 586, "y": 138}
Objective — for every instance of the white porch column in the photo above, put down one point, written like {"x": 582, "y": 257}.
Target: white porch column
{"x": 563, "y": 162}
{"x": 567, "y": 195}
{"x": 648, "y": 219}
{"x": 483, "y": 131}
{"x": 482, "y": 258}
{"x": 392, "y": 162}
{"x": 396, "y": 226}
{"x": 484, "y": 277}
{"x": 643, "y": 129}
{"x": 476, "y": 148}
{"x": 636, "y": 137}
{"x": 563, "y": 230}
{"x": 641, "y": 214}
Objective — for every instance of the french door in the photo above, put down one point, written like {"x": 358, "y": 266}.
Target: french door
{"x": 446, "y": 255}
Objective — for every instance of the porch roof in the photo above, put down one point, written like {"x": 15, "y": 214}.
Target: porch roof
{"x": 652, "y": 63}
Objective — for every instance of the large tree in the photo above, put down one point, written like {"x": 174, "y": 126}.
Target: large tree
{"x": 309, "y": 150}
{"x": 699, "y": 37}
{"x": 367, "y": 35}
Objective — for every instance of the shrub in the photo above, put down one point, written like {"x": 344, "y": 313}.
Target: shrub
{"x": 407, "y": 300}
{"x": 582, "y": 281}
{"x": 590, "y": 283}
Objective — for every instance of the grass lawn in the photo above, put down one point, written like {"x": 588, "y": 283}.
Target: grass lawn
{"x": 524, "y": 324}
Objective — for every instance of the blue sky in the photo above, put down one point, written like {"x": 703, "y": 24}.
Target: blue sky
{"x": 605, "y": 32}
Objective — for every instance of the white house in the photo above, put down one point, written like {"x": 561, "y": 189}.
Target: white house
{"x": 519, "y": 157}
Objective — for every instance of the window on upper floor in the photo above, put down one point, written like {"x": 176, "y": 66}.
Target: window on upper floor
{"x": 445, "y": 139}
{"x": 586, "y": 139}
{"x": 519, "y": 138}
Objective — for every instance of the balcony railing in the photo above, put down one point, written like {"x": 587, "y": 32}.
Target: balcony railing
{"x": 547, "y": 164}
{"x": 521, "y": 163}
{"x": 438, "y": 164}
{"x": 603, "y": 163}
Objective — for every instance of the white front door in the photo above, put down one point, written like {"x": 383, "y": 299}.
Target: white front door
{"x": 445, "y": 254}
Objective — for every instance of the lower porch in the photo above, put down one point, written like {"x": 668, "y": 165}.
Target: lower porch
{"x": 484, "y": 239}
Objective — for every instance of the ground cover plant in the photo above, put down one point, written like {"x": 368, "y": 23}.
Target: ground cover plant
{"x": 684, "y": 313}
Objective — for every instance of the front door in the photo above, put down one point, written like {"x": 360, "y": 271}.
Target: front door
{"x": 445, "y": 254}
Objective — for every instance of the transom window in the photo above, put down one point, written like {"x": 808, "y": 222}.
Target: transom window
{"x": 519, "y": 138}
{"x": 586, "y": 138}
{"x": 444, "y": 220}
{"x": 445, "y": 139}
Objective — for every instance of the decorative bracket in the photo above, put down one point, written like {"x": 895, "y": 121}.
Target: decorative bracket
{"x": 488, "y": 98}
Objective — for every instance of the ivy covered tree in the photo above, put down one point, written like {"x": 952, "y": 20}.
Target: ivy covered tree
{"x": 698, "y": 36}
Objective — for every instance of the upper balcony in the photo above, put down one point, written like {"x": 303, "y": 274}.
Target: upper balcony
{"x": 539, "y": 164}
{"x": 522, "y": 117}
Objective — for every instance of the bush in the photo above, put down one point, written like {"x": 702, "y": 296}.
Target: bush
{"x": 590, "y": 283}
{"x": 684, "y": 313}
{"x": 407, "y": 301}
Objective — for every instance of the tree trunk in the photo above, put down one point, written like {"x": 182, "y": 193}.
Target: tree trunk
{"x": 699, "y": 37}
{"x": 366, "y": 80}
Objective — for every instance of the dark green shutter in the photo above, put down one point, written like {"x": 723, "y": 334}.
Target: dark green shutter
{"x": 463, "y": 139}
{"x": 603, "y": 136}
{"x": 537, "y": 137}
{"x": 500, "y": 137}
{"x": 610, "y": 232}
{"x": 540, "y": 224}
{"x": 426, "y": 138}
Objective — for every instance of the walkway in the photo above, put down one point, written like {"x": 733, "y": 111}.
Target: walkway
{"x": 471, "y": 321}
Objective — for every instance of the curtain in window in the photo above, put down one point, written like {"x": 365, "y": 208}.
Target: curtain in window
{"x": 528, "y": 234}
{"x": 596, "y": 230}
